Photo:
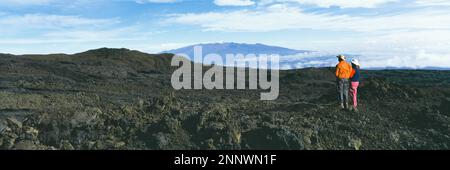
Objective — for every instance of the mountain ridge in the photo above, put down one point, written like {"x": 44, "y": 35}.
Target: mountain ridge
{"x": 289, "y": 62}
{"x": 236, "y": 48}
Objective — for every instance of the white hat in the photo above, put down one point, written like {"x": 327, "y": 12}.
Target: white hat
{"x": 355, "y": 61}
{"x": 341, "y": 57}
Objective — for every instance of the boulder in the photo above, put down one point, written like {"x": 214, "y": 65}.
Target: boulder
{"x": 14, "y": 123}
{"x": 273, "y": 137}
{"x": 26, "y": 145}
{"x": 66, "y": 145}
{"x": 355, "y": 144}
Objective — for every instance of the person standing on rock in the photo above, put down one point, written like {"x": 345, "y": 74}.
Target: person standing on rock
{"x": 354, "y": 83}
{"x": 343, "y": 73}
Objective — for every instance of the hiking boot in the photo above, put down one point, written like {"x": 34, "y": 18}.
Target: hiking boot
{"x": 342, "y": 106}
{"x": 355, "y": 109}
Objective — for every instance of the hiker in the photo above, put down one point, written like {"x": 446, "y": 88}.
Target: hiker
{"x": 343, "y": 72}
{"x": 354, "y": 83}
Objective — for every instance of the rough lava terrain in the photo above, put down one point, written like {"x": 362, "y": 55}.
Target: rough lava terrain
{"x": 122, "y": 99}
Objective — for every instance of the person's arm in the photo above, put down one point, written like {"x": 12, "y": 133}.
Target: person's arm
{"x": 337, "y": 71}
{"x": 352, "y": 73}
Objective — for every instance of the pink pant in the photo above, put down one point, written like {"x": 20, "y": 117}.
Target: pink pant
{"x": 354, "y": 92}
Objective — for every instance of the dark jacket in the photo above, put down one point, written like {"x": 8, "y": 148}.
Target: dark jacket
{"x": 355, "y": 74}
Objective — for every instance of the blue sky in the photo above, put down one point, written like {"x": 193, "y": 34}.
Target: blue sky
{"x": 413, "y": 33}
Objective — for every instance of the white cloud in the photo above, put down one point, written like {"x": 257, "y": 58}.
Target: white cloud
{"x": 76, "y": 2}
{"x": 338, "y": 3}
{"x": 26, "y": 2}
{"x": 156, "y": 1}
{"x": 28, "y": 21}
{"x": 433, "y": 2}
{"x": 92, "y": 35}
{"x": 281, "y": 17}
{"x": 414, "y": 49}
{"x": 38, "y": 33}
{"x": 418, "y": 60}
{"x": 234, "y": 2}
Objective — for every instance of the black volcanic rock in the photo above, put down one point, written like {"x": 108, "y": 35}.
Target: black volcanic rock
{"x": 123, "y": 99}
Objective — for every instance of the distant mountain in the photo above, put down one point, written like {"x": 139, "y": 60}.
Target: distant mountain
{"x": 290, "y": 58}
{"x": 236, "y": 48}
